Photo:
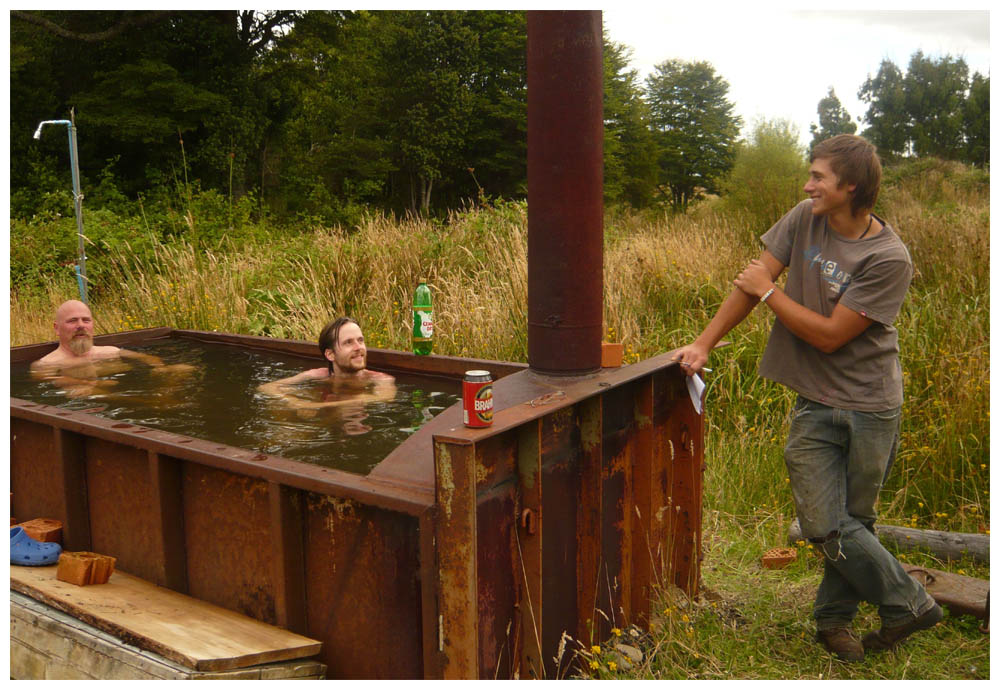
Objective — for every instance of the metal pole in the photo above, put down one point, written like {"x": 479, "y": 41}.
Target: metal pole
{"x": 565, "y": 191}
{"x": 81, "y": 264}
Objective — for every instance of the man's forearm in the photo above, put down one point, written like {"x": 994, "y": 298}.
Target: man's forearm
{"x": 731, "y": 313}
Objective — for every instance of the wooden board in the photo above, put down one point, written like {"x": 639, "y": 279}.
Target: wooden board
{"x": 960, "y": 593}
{"x": 194, "y": 633}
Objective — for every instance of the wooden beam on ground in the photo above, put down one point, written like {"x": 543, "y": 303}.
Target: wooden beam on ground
{"x": 960, "y": 593}
{"x": 950, "y": 546}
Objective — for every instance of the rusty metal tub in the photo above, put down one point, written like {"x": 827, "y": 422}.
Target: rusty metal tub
{"x": 464, "y": 553}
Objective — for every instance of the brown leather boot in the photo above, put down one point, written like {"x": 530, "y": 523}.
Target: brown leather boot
{"x": 842, "y": 643}
{"x": 887, "y": 638}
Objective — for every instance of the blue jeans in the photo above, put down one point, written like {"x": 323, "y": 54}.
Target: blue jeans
{"x": 837, "y": 461}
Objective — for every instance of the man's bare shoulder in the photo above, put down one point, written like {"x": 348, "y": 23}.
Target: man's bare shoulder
{"x": 105, "y": 351}
{"x": 379, "y": 375}
{"x": 57, "y": 359}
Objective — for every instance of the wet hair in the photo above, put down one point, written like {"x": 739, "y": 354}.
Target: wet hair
{"x": 330, "y": 335}
{"x": 854, "y": 161}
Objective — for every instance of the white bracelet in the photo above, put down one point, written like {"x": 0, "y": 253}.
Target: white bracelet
{"x": 763, "y": 298}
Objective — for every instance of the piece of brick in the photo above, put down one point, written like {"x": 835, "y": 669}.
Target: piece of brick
{"x": 44, "y": 529}
{"x": 74, "y": 567}
{"x": 612, "y": 354}
{"x": 778, "y": 558}
{"x": 84, "y": 568}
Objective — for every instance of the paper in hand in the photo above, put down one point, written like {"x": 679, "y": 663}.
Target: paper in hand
{"x": 695, "y": 388}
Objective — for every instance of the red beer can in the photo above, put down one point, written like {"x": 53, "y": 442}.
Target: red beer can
{"x": 477, "y": 398}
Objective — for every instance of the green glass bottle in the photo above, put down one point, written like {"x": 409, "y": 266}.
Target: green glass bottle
{"x": 423, "y": 320}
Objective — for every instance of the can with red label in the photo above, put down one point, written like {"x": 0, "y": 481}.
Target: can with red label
{"x": 477, "y": 398}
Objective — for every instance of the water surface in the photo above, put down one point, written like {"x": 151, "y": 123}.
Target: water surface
{"x": 219, "y": 402}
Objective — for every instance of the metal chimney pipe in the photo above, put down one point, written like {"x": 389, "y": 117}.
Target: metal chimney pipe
{"x": 565, "y": 191}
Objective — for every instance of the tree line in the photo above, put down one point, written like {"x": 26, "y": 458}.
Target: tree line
{"x": 321, "y": 114}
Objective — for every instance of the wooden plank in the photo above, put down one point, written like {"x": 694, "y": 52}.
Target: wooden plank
{"x": 960, "y": 593}
{"x": 195, "y": 633}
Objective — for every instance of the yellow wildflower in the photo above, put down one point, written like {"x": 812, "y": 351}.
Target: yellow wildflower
{"x": 612, "y": 666}
{"x": 596, "y": 649}
{"x": 594, "y": 665}
{"x": 617, "y": 632}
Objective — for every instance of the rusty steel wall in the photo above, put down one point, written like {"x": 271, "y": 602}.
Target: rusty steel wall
{"x": 582, "y": 497}
{"x": 566, "y": 515}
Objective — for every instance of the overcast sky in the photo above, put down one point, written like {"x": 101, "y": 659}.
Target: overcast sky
{"x": 779, "y": 63}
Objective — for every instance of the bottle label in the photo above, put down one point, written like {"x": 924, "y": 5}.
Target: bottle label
{"x": 423, "y": 322}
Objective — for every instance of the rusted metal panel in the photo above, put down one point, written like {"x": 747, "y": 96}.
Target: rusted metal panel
{"x": 122, "y": 520}
{"x": 228, "y": 536}
{"x": 644, "y": 538}
{"x": 167, "y": 538}
{"x": 33, "y": 465}
{"x": 565, "y": 191}
{"x": 412, "y": 500}
{"x": 588, "y": 522}
{"x": 529, "y": 533}
{"x": 362, "y": 591}
{"x": 71, "y": 478}
{"x": 455, "y": 497}
{"x": 561, "y": 474}
{"x": 684, "y": 432}
{"x": 428, "y": 595}
{"x": 287, "y": 526}
{"x": 616, "y": 534}
{"x": 499, "y": 583}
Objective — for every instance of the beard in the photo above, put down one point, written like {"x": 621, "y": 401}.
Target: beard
{"x": 347, "y": 366}
{"x": 80, "y": 345}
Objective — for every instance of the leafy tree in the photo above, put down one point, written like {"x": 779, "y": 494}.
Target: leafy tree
{"x": 694, "y": 128}
{"x": 833, "y": 119}
{"x": 887, "y": 116}
{"x": 630, "y": 167}
{"x": 977, "y": 121}
{"x": 934, "y": 92}
{"x": 767, "y": 176}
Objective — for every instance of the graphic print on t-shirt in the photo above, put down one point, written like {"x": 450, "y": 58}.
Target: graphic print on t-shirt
{"x": 829, "y": 270}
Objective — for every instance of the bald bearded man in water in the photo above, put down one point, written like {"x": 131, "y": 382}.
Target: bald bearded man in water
{"x": 77, "y": 364}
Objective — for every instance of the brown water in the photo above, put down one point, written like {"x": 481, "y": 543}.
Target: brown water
{"x": 219, "y": 402}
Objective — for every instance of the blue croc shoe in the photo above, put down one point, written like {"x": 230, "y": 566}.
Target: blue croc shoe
{"x": 26, "y": 551}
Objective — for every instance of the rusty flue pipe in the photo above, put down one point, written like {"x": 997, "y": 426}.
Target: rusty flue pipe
{"x": 565, "y": 191}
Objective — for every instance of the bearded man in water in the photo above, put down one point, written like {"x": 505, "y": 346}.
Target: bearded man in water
{"x": 343, "y": 346}
{"x": 77, "y": 365}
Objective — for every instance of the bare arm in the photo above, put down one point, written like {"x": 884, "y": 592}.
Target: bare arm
{"x": 826, "y": 333}
{"x": 731, "y": 313}
{"x": 384, "y": 390}
{"x": 279, "y": 388}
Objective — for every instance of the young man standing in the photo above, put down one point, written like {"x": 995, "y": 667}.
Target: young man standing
{"x": 833, "y": 343}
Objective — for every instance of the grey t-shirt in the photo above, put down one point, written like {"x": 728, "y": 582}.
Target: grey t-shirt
{"x": 869, "y": 276}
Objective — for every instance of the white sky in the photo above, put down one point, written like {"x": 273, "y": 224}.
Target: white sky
{"x": 779, "y": 63}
